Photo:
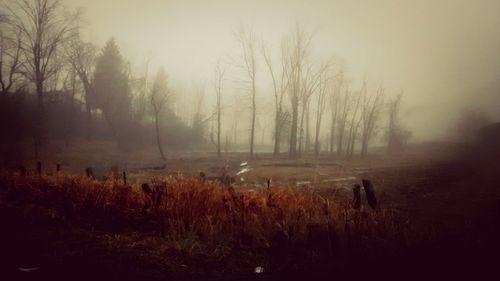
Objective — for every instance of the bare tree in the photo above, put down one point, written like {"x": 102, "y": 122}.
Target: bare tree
{"x": 393, "y": 126}
{"x": 355, "y": 122}
{"x": 139, "y": 89}
{"x": 307, "y": 142}
{"x": 70, "y": 87}
{"x": 197, "y": 115}
{"x": 344, "y": 104}
{"x": 280, "y": 87}
{"x": 370, "y": 111}
{"x": 247, "y": 43}
{"x": 42, "y": 28}
{"x": 310, "y": 83}
{"x": 81, "y": 56}
{"x": 10, "y": 59}
{"x": 320, "y": 107}
{"x": 219, "y": 77}
{"x": 335, "y": 107}
{"x": 199, "y": 122}
{"x": 158, "y": 96}
{"x": 296, "y": 54}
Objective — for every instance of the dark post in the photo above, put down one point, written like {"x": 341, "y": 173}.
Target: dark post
{"x": 89, "y": 172}
{"x": 146, "y": 189}
{"x": 58, "y": 167}
{"x": 39, "y": 168}
{"x": 356, "y": 190}
{"x": 23, "y": 171}
{"x": 370, "y": 193}
{"x": 268, "y": 184}
{"x": 124, "y": 178}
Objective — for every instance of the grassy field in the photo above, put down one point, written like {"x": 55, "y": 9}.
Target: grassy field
{"x": 434, "y": 212}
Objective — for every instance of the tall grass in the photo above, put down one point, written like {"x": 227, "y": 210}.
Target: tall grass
{"x": 205, "y": 217}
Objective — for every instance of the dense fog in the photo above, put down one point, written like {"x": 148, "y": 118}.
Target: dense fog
{"x": 433, "y": 62}
{"x": 443, "y": 54}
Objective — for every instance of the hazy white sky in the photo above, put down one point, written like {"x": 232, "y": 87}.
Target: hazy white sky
{"x": 445, "y": 54}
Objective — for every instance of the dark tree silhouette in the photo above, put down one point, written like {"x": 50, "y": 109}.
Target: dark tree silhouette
{"x": 219, "y": 77}
{"x": 42, "y": 28}
{"x": 111, "y": 88}
{"x": 81, "y": 56}
{"x": 249, "y": 65}
{"x": 159, "y": 95}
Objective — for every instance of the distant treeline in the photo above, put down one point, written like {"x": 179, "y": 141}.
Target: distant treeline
{"x": 55, "y": 85}
{"x": 65, "y": 120}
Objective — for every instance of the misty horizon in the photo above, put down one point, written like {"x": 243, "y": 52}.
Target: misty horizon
{"x": 441, "y": 54}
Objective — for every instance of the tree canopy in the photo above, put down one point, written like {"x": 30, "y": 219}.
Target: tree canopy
{"x": 112, "y": 91}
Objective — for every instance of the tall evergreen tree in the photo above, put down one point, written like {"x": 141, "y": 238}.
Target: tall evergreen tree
{"x": 111, "y": 87}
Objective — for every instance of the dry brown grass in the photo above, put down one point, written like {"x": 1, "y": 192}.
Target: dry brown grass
{"x": 198, "y": 217}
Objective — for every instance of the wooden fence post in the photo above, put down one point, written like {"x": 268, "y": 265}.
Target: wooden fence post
{"x": 22, "y": 170}
{"x": 89, "y": 172}
{"x": 370, "y": 193}
{"x": 356, "y": 190}
{"x": 39, "y": 168}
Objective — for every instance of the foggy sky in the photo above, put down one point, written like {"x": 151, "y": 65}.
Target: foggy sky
{"x": 444, "y": 54}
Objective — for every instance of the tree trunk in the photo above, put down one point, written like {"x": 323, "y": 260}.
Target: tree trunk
{"x": 158, "y": 140}
{"x": 88, "y": 121}
{"x": 332, "y": 135}
{"x": 301, "y": 131}
{"x": 364, "y": 146}
{"x": 252, "y": 133}
{"x": 111, "y": 124}
{"x": 316, "y": 144}
{"x": 277, "y": 134}
{"x": 88, "y": 109}
{"x": 71, "y": 117}
{"x": 316, "y": 139}
{"x": 235, "y": 131}
{"x": 353, "y": 143}
{"x": 307, "y": 146}
{"x": 293, "y": 130}
{"x": 40, "y": 116}
{"x": 226, "y": 145}
{"x": 218, "y": 128}
{"x": 340, "y": 140}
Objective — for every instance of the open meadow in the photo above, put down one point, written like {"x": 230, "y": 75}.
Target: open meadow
{"x": 239, "y": 217}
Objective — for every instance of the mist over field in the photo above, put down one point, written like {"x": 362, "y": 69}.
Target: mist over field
{"x": 442, "y": 54}
{"x": 249, "y": 140}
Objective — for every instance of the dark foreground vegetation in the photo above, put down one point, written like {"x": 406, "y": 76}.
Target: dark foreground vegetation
{"x": 65, "y": 226}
